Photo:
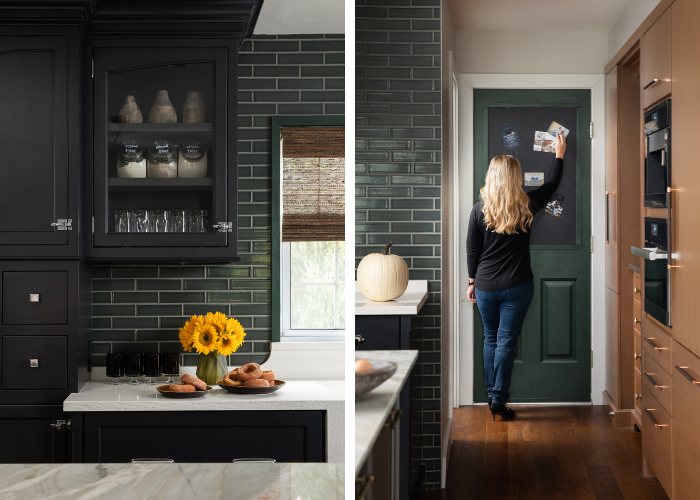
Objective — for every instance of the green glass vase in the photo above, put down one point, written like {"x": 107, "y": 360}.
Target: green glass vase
{"x": 211, "y": 367}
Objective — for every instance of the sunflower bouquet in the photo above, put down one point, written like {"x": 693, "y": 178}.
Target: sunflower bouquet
{"x": 214, "y": 337}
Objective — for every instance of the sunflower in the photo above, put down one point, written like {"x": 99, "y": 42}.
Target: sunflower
{"x": 205, "y": 339}
{"x": 235, "y": 330}
{"x": 218, "y": 320}
{"x": 227, "y": 344}
{"x": 187, "y": 332}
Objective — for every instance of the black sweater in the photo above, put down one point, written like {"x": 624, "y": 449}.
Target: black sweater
{"x": 500, "y": 261}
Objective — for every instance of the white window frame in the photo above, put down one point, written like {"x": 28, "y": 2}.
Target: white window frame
{"x": 289, "y": 335}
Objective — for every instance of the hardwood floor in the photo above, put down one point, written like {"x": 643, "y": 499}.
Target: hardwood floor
{"x": 545, "y": 453}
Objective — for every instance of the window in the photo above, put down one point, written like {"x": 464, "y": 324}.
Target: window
{"x": 313, "y": 290}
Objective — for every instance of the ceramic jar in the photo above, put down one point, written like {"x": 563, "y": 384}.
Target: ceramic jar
{"x": 130, "y": 112}
{"x": 192, "y": 161}
{"x": 162, "y": 161}
{"x": 131, "y": 162}
{"x": 194, "y": 110}
{"x": 162, "y": 110}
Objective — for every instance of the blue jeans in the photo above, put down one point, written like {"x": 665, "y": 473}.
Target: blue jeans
{"x": 503, "y": 313}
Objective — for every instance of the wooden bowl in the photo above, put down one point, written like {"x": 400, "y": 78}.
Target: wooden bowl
{"x": 368, "y": 380}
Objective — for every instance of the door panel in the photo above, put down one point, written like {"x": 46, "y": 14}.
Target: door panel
{"x": 553, "y": 357}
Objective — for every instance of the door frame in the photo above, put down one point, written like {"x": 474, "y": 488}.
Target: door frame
{"x": 596, "y": 83}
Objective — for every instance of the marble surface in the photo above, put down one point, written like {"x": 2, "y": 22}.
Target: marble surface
{"x": 372, "y": 409}
{"x": 295, "y": 395}
{"x": 409, "y": 303}
{"x": 242, "y": 481}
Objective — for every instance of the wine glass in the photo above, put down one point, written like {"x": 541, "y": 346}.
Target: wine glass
{"x": 151, "y": 366}
{"x": 170, "y": 366}
{"x": 115, "y": 368}
{"x": 133, "y": 367}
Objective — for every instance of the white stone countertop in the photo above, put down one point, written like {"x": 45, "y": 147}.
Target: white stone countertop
{"x": 372, "y": 409}
{"x": 409, "y": 303}
{"x": 241, "y": 481}
{"x": 295, "y": 395}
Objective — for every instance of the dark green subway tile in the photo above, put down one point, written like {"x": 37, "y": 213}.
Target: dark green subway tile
{"x": 334, "y": 83}
{"x": 411, "y": 109}
{"x": 360, "y": 191}
{"x": 101, "y": 297}
{"x": 360, "y": 239}
{"x": 174, "y": 322}
{"x": 362, "y": 109}
{"x": 426, "y": 121}
{"x": 180, "y": 297}
{"x": 276, "y": 96}
{"x": 412, "y": 204}
{"x": 362, "y": 60}
{"x": 300, "y": 59}
{"x": 364, "y": 203}
{"x": 98, "y": 360}
{"x": 391, "y": 145}
{"x": 389, "y": 215}
{"x": 253, "y": 209}
{"x": 360, "y": 216}
{"x": 170, "y": 347}
{"x": 310, "y": 71}
{"x": 101, "y": 272}
{"x": 334, "y": 109}
{"x": 411, "y": 179}
{"x": 227, "y": 272}
{"x": 426, "y": 97}
{"x": 438, "y": 203}
{"x": 101, "y": 348}
{"x": 420, "y": 274}
{"x": 157, "y": 335}
{"x": 262, "y": 221}
{"x": 432, "y": 263}
{"x": 411, "y": 156}
{"x": 244, "y": 247}
{"x": 113, "y": 310}
{"x": 383, "y": 239}
{"x": 250, "y": 284}
{"x": 244, "y": 222}
{"x": 323, "y": 96}
{"x": 388, "y": 25}
{"x": 259, "y": 197}
{"x": 262, "y": 272}
{"x": 426, "y": 25}
{"x": 255, "y": 259}
{"x": 262, "y": 322}
{"x": 379, "y": 121}
{"x": 411, "y": 85}
{"x": 412, "y": 251}
{"x": 257, "y": 109}
{"x": 411, "y": 13}
{"x": 206, "y": 284}
{"x": 275, "y": 46}
{"x": 124, "y": 323}
{"x": 373, "y": 180}
{"x": 107, "y": 285}
{"x": 412, "y": 227}
{"x": 369, "y": 156}
{"x": 228, "y": 297}
{"x": 250, "y": 59}
{"x": 389, "y": 192}
{"x": 256, "y": 84}
{"x": 182, "y": 272}
{"x": 412, "y": 132}
{"x": 426, "y": 239}
{"x": 388, "y": 49}
{"x": 372, "y": 132}
{"x": 142, "y": 347}
{"x": 300, "y": 83}
{"x": 300, "y": 109}
{"x": 251, "y": 310}
{"x": 246, "y": 348}
{"x": 113, "y": 335}
{"x": 323, "y": 46}
{"x": 371, "y": 227}
{"x": 246, "y": 322}
{"x": 427, "y": 168}
{"x": 261, "y": 347}
{"x": 256, "y": 184}
{"x": 262, "y": 296}
{"x": 389, "y": 96}
{"x": 420, "y": 215}
{"x": 423, "y": 192}
{"x": 159, "y": 310}
{"x": 431, "y": 73}
{"x": 135, "y": 272}
{"x": 262, "y": 247}
{"x": 257, "y": 335}
{"x": 433, "y": 144}
{"x": 135, "y": 297}
{"x": 360, "y": 168}
{"x": 190, "y": 309}
{"x": 101, "y": 322}
{"x": 254, "y": 234}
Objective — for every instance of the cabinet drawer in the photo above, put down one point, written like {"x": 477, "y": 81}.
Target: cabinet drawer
{"x": 51, "y": 355}
{"x": 686, "y": 432}
{"x": 35, "y": 298}
{"x": 638, "y": 390}
{"x": 657, "y": 343}
{"x": 657, "y": 439}
{"x": 377, "y": 333}
{"x": 658, "y": 382}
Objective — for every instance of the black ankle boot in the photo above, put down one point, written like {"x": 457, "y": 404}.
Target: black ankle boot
{"x": 489, "y": 401}
{"x": 502, "y": 409}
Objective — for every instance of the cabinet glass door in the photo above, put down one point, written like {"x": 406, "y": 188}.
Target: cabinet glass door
{"x": 160, "y": 147}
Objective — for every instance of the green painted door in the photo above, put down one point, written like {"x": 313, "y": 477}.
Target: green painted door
{"x": 553, "y": 358}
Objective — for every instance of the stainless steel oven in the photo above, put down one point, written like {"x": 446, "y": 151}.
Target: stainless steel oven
{"x": 657, "y": 175}
{"x": 657, "y": 275}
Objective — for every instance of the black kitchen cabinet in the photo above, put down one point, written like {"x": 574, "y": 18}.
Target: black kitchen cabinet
{"x": 211, "y": 436}
{"x": 153, "y": 211}
{"x": 40, "y": 142}
{"x": 30, "y": 434}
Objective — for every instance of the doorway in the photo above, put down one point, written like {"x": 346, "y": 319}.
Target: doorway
{"x": 553, "y": 357}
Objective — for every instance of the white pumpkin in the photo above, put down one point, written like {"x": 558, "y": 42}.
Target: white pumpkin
{"x": 382, "y": 276}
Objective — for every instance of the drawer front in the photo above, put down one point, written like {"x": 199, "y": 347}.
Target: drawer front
{"x": 638, "y": 390}
{"x": 35, "y": 298}
{"x": 657, "y": 343}
{"x": 51, "y": 355}
{"x": 637, "y": 311}
{"x": 657, "y": 438}
{"x": 659, "y": 383}
{"x": 377, "y": 333}
{"x": 638, "y": 351}
{"x": 686, "y": 432}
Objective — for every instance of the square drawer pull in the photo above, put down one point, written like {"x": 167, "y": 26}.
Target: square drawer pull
{"x": 656, "y": 348}
{"x": 33, "y": 297}
{"x": 653, "y": 420}
{"x": 33, "y": 363}
{"x": 687, "y": 375}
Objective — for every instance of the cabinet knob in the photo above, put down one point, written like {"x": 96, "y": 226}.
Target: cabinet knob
{"x": 61, "y": 425}
{"x": 636, "y": 290}
{"x": 33, "y": 363}
{"x": 359, "y": 339}
{"x": 33, "y": 297}
{"x": 636, "y": 321}
{"x": 637, "y": 356}
{"x": 637, "y": 396}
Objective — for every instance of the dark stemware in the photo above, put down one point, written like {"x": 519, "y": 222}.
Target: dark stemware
{"x": 115, "y": 368}
{"x": 133, "y": 367}
{"x": 151, "y": 366}
{"x": 170, "y": 366}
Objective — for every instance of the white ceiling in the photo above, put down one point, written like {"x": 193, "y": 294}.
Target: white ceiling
{"x": 301, "y": 17}
{"x": 536, "y": 14}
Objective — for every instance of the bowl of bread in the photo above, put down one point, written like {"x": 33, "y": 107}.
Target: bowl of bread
{"x": 370, "y": 374}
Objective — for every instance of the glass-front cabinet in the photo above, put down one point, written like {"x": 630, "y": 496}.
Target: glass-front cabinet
{"x": 163, "y": 153}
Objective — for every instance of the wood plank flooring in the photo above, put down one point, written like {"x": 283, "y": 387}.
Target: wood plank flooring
{"x": 545, "y": 453}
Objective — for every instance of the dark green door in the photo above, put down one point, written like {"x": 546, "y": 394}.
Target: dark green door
{"x": 553, "y": 359}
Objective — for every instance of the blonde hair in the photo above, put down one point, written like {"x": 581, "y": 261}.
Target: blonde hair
{"x": 506, "y": 205}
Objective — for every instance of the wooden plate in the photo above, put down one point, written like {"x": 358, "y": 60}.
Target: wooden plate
{"x": 164, "y": 390}
{"x": 252, "y": 390}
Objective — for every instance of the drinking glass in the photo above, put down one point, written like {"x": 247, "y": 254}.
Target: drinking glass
{"x": 198, "y": 221}
{"x": 115, "y": 368}
{"x": 151, "y": 366}
{"x": 176, "y": 221}
{"x": 133, "y": 367}
{"x": 121, "y": 221}
{"x": 170, "y": 365}
{"x": 138, "y": 222}
{"x": 156, "y": 221}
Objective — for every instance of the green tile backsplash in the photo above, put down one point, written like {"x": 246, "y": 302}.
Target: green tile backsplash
{"x": 141, "y": 308}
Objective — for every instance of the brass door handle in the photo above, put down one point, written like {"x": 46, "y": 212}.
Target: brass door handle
{"x": 637, "y": 356}
{"x": 394, "y": 421}
{"x": 687, "y": 375}
{"x": 656, "y": 348}
{"x": 636, "y": 321}
{"x": 637, "y": 396}
{"x": 636, "y": 290}
{"x": 673, "y": 267}
{"x": 366, "y": 482}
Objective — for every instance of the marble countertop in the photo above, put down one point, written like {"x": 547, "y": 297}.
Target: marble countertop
{"x": 409, "y": 303}
{"x": 372, "y": 409}
{"x": 295, "y": 395}
{"x": 241, "y": 481}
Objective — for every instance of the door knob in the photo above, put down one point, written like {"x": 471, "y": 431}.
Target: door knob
{"x": 637, "y": 356}
{"x": 636, "y": 290}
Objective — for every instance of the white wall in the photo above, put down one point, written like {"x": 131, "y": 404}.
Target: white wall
{"x": 301, "y": 17}
{"x": 628, "y": 22}
{"x": 531, "y": 52}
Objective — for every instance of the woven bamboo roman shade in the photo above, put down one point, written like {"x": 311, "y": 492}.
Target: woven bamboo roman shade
{"x": 313, "y": 185}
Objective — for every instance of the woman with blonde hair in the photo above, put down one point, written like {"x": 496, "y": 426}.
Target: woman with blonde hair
{"x": 501, "y": 282}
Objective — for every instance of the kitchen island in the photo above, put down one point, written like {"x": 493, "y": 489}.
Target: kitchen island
{"x": 240, "y": 481}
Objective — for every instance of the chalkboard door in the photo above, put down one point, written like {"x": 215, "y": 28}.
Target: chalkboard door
{"x": 553, "y": 358}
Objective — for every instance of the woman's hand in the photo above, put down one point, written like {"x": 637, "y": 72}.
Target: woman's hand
{"x": 560, "y": 146}
{"x": 471, "y": 294}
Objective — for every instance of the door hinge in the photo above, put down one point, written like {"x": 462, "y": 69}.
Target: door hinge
{"x": 591, "y": 243}
{"x": 93, "y": 68}
{"x": 61, "y": 425}
{"x": 63, "y": 224}
{"x": 223, "y": 227}
{"x": 591, "y": 130}
{"x": 591, "y": 359}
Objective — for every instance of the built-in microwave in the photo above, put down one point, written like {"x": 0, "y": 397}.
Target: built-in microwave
{"x": 657, "y": 175}
{"x": 657, "y": 276}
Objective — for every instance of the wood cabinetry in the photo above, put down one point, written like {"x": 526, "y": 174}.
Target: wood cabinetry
{"x": 656, "y": 59}
{"x": 686, "y": 438}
